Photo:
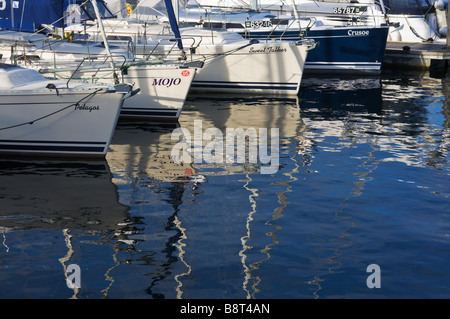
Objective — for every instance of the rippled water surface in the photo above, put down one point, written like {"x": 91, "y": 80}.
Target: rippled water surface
{"x": 363, "y": 178}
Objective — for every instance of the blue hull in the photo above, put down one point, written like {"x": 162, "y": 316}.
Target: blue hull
{"x": 340, "y": 49}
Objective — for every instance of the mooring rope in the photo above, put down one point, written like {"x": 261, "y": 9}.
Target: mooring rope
{"x": 414, "y": 30}
{"x": 211, "y": 56}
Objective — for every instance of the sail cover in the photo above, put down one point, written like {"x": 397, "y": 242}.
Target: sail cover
{"x": 29, "y": 15}
{"x": 409, "y": 7}
{"x": 173, "y": 23}
{"x": 32, "y": 15}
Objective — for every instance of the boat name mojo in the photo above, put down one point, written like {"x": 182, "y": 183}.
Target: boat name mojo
{"x": 167, "y": 82}
{"x": 267, "y": 50}
{"x": 358, "y": 33}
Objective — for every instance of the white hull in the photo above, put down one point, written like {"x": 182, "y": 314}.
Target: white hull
{"x": 74, "y": 131}
{"x": 34, "y": 48}
{"x": 163, "y": 88}
{"x": 48, "y": 118}
{"x": 403, "y": 27}
{"x": 411, "y": 29}
{"x": 163, "y": 92}
{"x": 232, "y": 64}
{"x": 274, "y": 68}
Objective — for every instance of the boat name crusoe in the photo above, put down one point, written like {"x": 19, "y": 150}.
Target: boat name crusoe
{"x": 358, "y": 33}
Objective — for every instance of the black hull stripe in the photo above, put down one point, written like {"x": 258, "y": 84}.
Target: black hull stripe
{"x": 241, "y": 86}
{"x": 44, "y": 148}
{"x": 51, "y": 142}
{"x": 148, "y": 113}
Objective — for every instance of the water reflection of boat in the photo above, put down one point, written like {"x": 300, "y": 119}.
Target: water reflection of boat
{"x": 139, "y": 147}
{"x": 225, "y": 112}
{"x": 154, "y": 184}
{"x": 150, "y": 180}
{"x": 60, "y": 202}
{"x": 235, "y": 237}
{"x": 343, "y": 93}
{"x": 341, "y": 107}
{"x": 333, "y": 104}
{"x": 388, "y": 112}
{"x": 59, "y": 195}
{"x": 140, "y": 162}
{"x": 395, "y": 123}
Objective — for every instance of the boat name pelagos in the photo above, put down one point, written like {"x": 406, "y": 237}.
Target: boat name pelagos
{"x": 84, "y": 107}
{"x": 358, "y": 33}
{"x": 267, "y": 50}
{"x": 168, "y": 82}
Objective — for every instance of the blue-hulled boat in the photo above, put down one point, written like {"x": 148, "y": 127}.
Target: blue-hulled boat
{"x": 341, "y": 49}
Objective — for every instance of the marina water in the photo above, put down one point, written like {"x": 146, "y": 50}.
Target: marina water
{"x": 362, "y": 179}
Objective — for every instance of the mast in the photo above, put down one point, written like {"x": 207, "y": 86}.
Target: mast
{"x": 383, "y": 8}
{"x": 255, "y": 5}
{"x": 294, "y": 10}
{"x": 447, "y": 41}
{"x": 12, "y": 17}
{"x": 102, "y": 30}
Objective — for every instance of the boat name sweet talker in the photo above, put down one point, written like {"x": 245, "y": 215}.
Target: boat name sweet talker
{"x": 84, "y": 107}
{"x": 275, "y": 49}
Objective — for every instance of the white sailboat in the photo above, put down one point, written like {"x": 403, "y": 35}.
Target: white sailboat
{"x": 16, "y": 47}
{"x": 231, "y": 63}
{"x": 342, "y": 48}
{"x": 163, "y": 86}
{"x": 409, "y": 21}
{"x": 56, "y": 118}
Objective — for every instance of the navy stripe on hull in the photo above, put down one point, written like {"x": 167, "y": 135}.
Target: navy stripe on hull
{"x": 373, "y": 68}
{"x": 46, "y": 149}
{"x": 51, "y": 146}
{"x": 245, "y": 85}
{"x": 52, "y": 142}
{"x": 148, "y": 112}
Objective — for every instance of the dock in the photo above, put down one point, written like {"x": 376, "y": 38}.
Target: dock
{"x": 417, "y": 55}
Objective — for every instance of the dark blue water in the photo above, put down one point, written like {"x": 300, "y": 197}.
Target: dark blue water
{"x": 363, "y": 178}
